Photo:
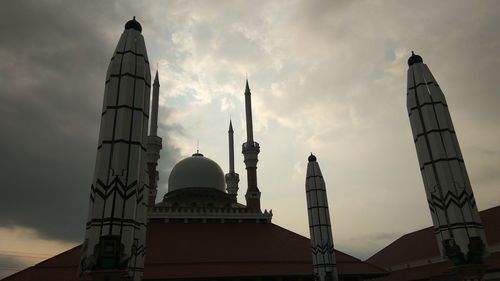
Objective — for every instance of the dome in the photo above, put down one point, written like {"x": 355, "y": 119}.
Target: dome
{"x": 196, "y": 171}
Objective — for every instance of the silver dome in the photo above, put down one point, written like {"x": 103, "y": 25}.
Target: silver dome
{"x": 196, "y": 171}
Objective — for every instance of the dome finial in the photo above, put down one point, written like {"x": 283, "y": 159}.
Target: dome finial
{"x": 197, "y": 149}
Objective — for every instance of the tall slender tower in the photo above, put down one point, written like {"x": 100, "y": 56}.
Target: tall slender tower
{"x": 457, "y": 225}
{"x": 115, "y": 231}
{"x": 154, "y": 145}
{"x": 325, "y": 266}
{"x": 232, "y": 178}
{"x": 250, "y": 152}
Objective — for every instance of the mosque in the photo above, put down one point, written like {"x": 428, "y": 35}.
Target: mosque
{"x": 199, "y": 231}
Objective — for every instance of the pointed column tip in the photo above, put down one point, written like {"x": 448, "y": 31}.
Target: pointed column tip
{"x": 311, "y": 158}
{"x": 230, "y": 126}
{"x": 414, "y": 59}
{"x": 133, "y": 24}
{"x": 247, "y": 88}
{"x": 157, "y": 81}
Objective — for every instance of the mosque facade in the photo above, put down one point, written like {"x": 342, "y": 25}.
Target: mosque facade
{"x": 197, "y": 230}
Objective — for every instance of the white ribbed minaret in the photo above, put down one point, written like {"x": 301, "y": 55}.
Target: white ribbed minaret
{"x": 115, "y": 231}
{"x": 250, "y": 152}
{"x": 457, "y": 225}
{"x": 232, "y": 178}
{"x": 325, "y": 267}
{"x": 154, "y": 145}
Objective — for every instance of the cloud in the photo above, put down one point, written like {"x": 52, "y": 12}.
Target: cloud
{"x": 51, "y": 85}
{"x": 326, "y": 77}
{"x": 363, "y": 246}
{"x": 226, "y": 104}
{"x": 22, "y": 247}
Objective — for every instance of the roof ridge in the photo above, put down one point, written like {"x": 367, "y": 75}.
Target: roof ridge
{"x": 489, "y": 209}
{"x": 429, "y": 228}
{"x": 287, "y": 230}
{"x": 230, "y": 262}
{"x": 355, "y": 258}
{"x": 16, "y": 273}
{"x": 397, "y": 239}
{"x": 51, "y": 258}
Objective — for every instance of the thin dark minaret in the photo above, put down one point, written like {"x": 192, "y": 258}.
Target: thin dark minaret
{"x": 154, "y": 145}
{"x": 250, "y": 152}
{"x": 232, "y": 178}
{"x": 114, "y": 245}
{"x": 457, "y": 225}
{"x": 325, "y": 267}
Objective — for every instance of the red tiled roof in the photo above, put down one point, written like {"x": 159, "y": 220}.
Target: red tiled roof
{"x": 422, "y": 245}
{"x": 211, "y": 250}
{"x": 425, "y": 272}
{"x": 61, "y": 267}
{"x": 418, "y": 245}
{"x": 418, "y": 273}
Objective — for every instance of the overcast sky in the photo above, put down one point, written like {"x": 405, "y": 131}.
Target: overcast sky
{"x": 326, "y": 77}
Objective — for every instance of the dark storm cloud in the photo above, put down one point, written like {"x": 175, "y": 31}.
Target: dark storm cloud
{"x": 54, "y": 59}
